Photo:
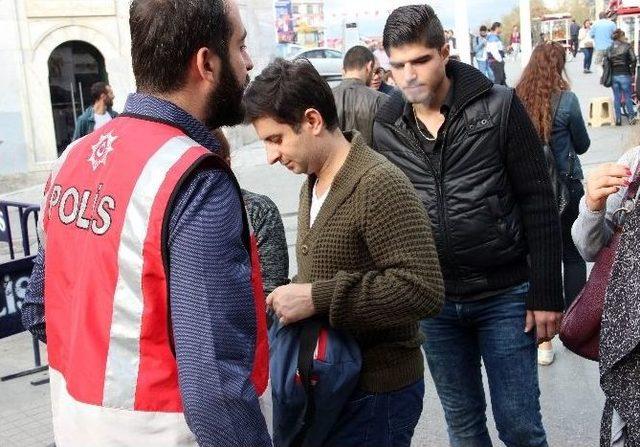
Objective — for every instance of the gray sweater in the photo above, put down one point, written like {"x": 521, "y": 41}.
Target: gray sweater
{"x": 593, "y": 229}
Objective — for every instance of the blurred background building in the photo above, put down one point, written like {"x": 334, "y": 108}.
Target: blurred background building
{"x": 52, "y": 51}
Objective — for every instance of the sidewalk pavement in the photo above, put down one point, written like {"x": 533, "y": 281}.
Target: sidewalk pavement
{"x": 571, "y": 398}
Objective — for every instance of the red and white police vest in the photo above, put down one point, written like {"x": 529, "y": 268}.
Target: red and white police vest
{"x": 114, "y": 379}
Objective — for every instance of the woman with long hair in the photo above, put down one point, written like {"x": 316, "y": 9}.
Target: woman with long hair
{"x": 555, "y": 113}
{"x": 622, "y": 59}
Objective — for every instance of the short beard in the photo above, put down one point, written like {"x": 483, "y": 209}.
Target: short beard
{"x": 225, "y": 102}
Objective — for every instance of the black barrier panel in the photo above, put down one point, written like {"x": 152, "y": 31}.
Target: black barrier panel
{"x": 14, "y": 280}
{"x": 5, "y": 234}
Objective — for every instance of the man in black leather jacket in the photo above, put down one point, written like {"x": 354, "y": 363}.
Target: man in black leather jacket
{"x": 477, "y": 163}
{"x": 357, "y": 104}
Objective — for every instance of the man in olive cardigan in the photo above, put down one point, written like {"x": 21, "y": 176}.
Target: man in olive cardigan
{"x": 366, "y": 257}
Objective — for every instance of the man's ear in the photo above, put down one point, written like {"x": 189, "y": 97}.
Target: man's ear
{"x": 314, "y": 121}
{"x": 445, "y": 51}
{"x": 206, "y": 66}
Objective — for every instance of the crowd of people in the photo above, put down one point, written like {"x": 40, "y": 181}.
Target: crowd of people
{"x": 429, "y": 231}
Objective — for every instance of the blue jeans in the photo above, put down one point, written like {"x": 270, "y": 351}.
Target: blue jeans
{"x": 491, "y": 330}
{"x": 588, "y": 56}
{"x": 483, "y": 66}
{"x": 379, "y": 420}
{"x": 622, "y": 86}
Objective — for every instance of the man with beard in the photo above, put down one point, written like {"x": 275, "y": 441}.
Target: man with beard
{"x": 473, "y": 154}
{"x": 97, "y": 115}
{"x": 147, "y": 288}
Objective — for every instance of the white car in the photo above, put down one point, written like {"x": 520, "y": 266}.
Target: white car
{"x": 327, "y": 61}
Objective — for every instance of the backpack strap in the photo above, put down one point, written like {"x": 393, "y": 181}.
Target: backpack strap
{"x": 309, "y": 334}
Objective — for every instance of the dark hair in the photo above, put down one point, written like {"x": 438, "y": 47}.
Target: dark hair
{"x": 285, "y": 90}
{"x": 483, "y": 28}
{"x": 618, "y": 34}
{"x": 495, "y": 26}
{"x": 166, "y": 34}
{"x": 97, "y": 89}
{"x": 413, "y": 24}
{"x": 357, "y": 57}
{"x": 585, "y": 22}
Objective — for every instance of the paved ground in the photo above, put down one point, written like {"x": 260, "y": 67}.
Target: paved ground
{"x": 571, "y": 399}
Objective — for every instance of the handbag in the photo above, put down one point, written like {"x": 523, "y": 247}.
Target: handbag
{"x": 607, "y": 72}
{"x": 580, "y": 328}
{"x": 559, "y": 186}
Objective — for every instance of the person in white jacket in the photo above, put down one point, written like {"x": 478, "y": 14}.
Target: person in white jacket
{"x": 495, "y": 54}
{"x": 585, "y": 44}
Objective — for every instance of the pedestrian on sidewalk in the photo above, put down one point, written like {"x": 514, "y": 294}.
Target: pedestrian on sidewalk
{"x": 602, "y": 35}
{"x": 378, "y": 82}
{"x": 495, "y": 54}
{"x": 366, "y": 258}
{"x": 574, "y": 33}
{"x": 156, "y": 334}
{"x": 483, "y": 179}
{"x": 586, "y": 45}
{"x": 623, "y": 61}
{"x": 556, "y": 115}
{"x": 480, "y": 47}
{"x": 453, "y": 44}
{"x": 606, "y": 208}
{"x": 514, "y": 42}
{"x": 357, "y": 103}
{"x": 99, "y": 113}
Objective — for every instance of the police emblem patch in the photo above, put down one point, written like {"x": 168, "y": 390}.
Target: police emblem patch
{"x": 101, "y": 149}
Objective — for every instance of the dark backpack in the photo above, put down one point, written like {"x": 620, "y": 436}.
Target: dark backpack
{"x": 314, "y": 370}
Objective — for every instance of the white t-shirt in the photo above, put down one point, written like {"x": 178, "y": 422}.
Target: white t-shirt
{"x": 101, "y": 120}
{"x": 316, "y": 204}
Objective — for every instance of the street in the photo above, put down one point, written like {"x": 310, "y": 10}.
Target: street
{"x": 571, "y": 397}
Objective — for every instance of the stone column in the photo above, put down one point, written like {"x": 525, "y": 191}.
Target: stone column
{"x": 462, "y": 30}
{"x": 526, "y": 45}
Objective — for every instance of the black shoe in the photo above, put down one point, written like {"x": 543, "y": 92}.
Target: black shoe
{"x": 588, "y": 71}
{"x": 633, "y": 120}
{"x": 618, "y": 121}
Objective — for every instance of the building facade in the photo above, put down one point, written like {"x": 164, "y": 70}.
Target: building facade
{"x": 51, "y": 53}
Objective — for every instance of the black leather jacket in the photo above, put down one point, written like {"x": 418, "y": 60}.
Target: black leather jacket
{"x": 622, "y": 58}
{"x": 357, "y": 105}
{"x": 475, "y": 214}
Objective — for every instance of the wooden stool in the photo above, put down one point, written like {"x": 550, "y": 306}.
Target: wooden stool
{"x": 601, "y": 112}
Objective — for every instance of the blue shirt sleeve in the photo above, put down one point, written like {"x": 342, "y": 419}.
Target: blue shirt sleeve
{"x": 213, "y": 313}
{"x": 33, "y": 305}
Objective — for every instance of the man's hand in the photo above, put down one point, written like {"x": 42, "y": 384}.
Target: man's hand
{"x": 547, "y": 324}
{"x": 292, "y": 303}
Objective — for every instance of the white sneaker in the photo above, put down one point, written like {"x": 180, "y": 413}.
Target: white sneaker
{"x": 545, "y": 354}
